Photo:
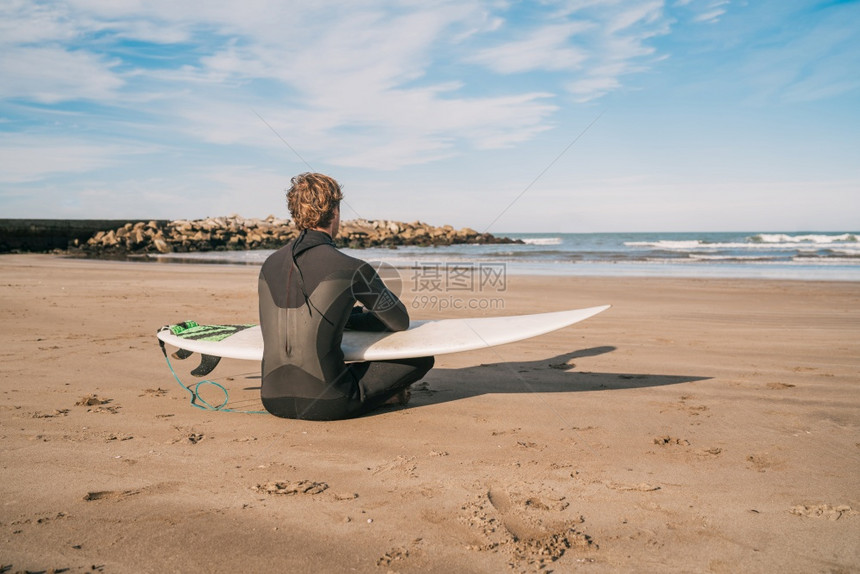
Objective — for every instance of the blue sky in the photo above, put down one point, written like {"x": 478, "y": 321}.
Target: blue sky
{"x": 683, "y": 115}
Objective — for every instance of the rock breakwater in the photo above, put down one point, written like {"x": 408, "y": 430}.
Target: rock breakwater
{"x": 238, "y": 233}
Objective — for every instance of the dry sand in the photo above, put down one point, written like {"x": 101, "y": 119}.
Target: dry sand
{"x": 697, "y": 426}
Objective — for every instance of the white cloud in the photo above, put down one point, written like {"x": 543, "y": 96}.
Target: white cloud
{"x": 547, "y": 48}
{"x": 51, "y": 75}
{"x": 31, "y": 23}
{"x": 348, "y": 98}
{"x": 344, "y": 72}
{"x": 635, "y": 13}
{"x": 366, "y": 84}
{"x": 813, "y": 61}
{"x": 594, "y": 86}
{"x": 26, "y": 158}
{"x": 704, "y": 11}
{"x": 594, "y": 46}
{"x": 711, "y": 16}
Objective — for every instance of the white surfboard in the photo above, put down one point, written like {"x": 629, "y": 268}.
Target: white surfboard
{"x": 421, "y": 339}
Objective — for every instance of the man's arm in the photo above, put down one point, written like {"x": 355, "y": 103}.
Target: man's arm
{"x": 384, "y": 310}
{"x": 360, "y": 319}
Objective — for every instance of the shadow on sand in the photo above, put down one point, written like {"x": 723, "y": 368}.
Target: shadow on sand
{"x": 556, "y": 374}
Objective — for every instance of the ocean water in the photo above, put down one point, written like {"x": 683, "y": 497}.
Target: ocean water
{"x": 803, "y": 256}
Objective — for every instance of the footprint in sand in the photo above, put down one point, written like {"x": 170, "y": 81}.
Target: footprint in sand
{"x": 92, "y": 400}
{"x": 98, "y": 403}
{"x": 779, "y": 386}
{"x": 400, "y": 554}
{"x": 117, "y": 495}
{"x": 530, "y": 530}
{"x": 187, "y": 435}
{"x": 110, "y": 494}
{"x": 404, "y": 465}
{"x": 291, "y": 487}
{"x": 671, "y": 441}
{"x": 823, "y": 511}
{"x": 764, "y": 462}
{"x": 56, "y": 413}
{"x": 641, "y": 487}
{"x": 302, "y": 487}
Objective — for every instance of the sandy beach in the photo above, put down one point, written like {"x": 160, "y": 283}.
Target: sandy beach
{"x": 697, "y": 426}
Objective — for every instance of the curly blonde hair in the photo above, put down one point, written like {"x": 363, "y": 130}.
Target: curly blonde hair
{"x": 313, "y": 199}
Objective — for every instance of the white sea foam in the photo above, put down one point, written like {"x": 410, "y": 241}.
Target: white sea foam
{"x": 699, "y": 257}
{"x": 668, "y": 245}
{"x": 810, "y": 238}
{"x": 818, "y": 255}
{"x": 684, "y": 245}
{"x": 849, "y": 261}
{"x": 542, "y": 240}
{"x": 852, "y": 251}
{"x": 845, "y": 243}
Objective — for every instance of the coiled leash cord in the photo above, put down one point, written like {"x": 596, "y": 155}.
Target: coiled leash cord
{"x": 199, "y": 402}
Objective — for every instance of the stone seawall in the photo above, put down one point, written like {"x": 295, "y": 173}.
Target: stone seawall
{"x": 45, "y": 235}
{"x": 117, "y": 238}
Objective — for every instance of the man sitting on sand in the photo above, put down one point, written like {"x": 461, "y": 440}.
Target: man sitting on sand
{"x": 308, "y": 291}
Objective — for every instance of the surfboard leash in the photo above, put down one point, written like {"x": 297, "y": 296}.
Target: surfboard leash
{"x": 199, "y": 402}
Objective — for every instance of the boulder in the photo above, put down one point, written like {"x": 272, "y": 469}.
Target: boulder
{"x": 236, "y": 232}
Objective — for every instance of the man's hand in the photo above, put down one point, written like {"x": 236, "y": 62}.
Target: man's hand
{"x": 360, "y": 319}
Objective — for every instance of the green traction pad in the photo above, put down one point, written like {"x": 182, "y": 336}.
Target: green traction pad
{"x": 193, "y": 331}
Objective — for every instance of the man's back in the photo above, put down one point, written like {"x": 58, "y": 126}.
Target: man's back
{"x": 307, "y": 291}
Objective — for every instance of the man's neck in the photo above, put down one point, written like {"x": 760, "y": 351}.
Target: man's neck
{"x": 326, "y": 230}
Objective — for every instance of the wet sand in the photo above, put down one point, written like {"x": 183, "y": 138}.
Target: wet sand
{"x": 697, "y": 426}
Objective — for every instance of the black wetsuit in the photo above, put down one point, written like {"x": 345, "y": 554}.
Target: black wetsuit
{"x": 307, "y": 291}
